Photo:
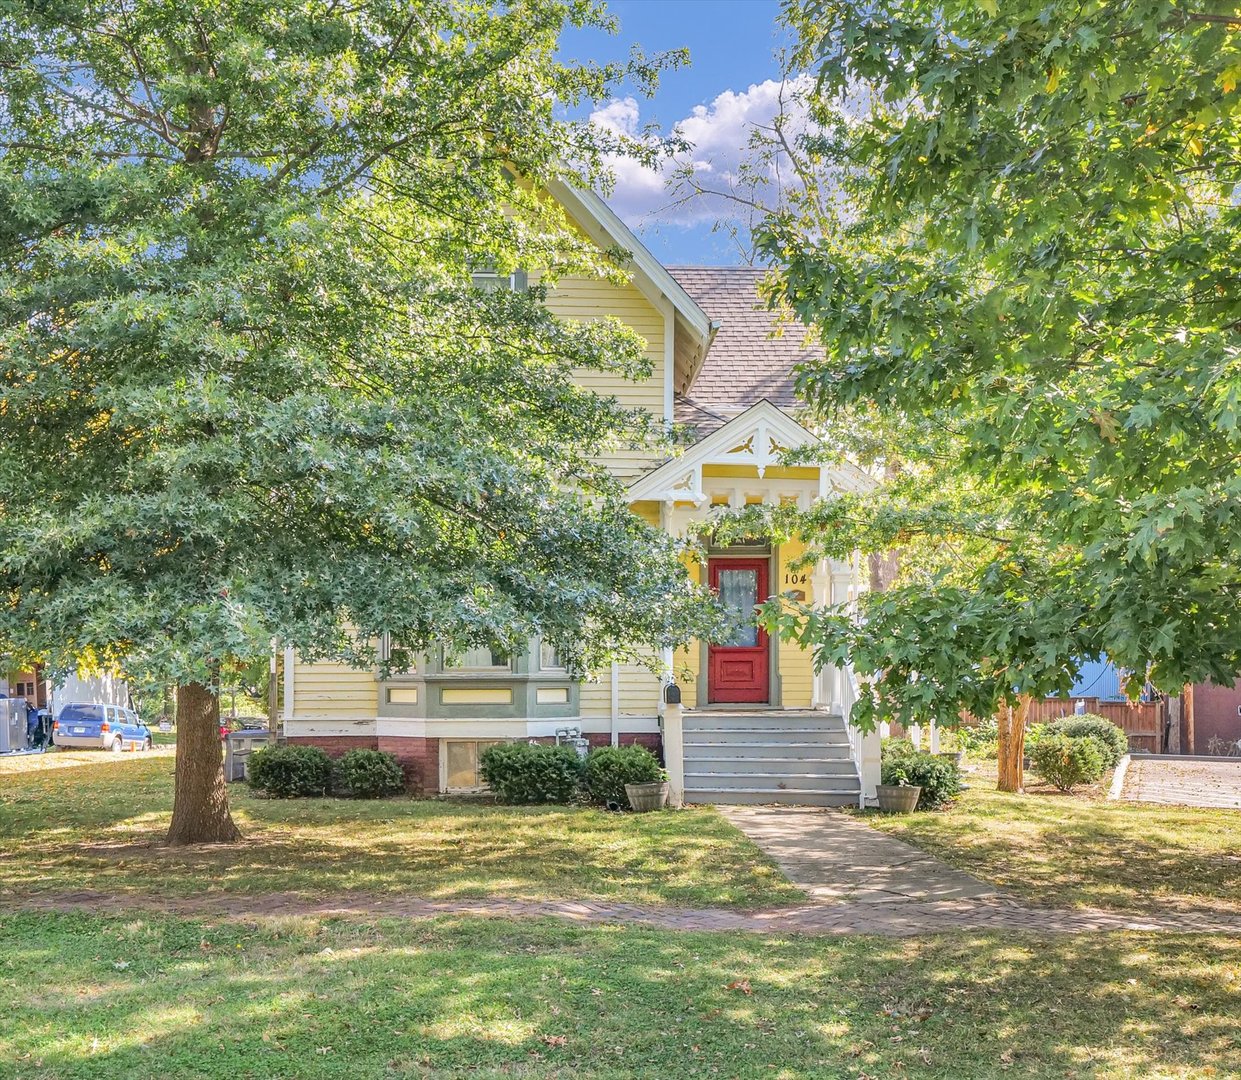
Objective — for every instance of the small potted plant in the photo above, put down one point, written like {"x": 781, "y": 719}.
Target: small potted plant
{"x": 651, "y": 795}
{"x": 896, "y": 794}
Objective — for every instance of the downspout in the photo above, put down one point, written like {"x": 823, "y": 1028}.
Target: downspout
{"x": 615, "y": 703}
{"x": 288, "y": 688}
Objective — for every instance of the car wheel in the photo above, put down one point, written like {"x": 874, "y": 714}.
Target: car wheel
{"x": 146, "y": 743}
{"x": 118, "y": 744}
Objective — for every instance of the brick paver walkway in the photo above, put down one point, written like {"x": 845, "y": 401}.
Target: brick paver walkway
{"x": 860, "y": 881}
{"x": 902, "y": 919}
{"x": 1184, "y": 782}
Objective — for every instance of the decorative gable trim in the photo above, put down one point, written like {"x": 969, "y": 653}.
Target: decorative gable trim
{"x": 760, "y": 437}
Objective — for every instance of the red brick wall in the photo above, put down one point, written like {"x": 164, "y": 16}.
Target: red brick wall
{"x": 335, "y": 745}
{"x": 1215, "y": 714}
{"x": 419, "y": 758}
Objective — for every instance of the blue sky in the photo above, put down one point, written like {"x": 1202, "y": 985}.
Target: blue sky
{"x": 729, "y": 82}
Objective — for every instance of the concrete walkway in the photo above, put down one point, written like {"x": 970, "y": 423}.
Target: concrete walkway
{"x": 834, "y": 857}
{"x": 1173, "y": 781}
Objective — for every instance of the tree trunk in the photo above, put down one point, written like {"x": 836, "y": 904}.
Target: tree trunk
{"x": 1012, "y": 745}
{"x": 200, "y": 805}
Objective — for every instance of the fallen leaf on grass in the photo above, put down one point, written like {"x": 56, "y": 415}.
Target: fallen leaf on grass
{"x": 554, "y": 1040}
{"x": 741, "y": 984}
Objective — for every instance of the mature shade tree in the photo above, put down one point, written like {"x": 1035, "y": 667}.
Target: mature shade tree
{"x": 248, "y": 392}
{"x": 1021, "y": 229}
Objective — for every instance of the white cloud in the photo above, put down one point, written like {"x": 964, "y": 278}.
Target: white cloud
{"x": 719, "y": 135}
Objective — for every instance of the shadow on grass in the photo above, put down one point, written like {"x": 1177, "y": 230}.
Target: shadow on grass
{"x": 102, "y": 829}
{"x": 1061, "y": 851}
{"x": 116, "y": 998}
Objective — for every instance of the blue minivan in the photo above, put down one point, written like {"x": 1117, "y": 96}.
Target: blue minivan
{"x": 100, "y": 727}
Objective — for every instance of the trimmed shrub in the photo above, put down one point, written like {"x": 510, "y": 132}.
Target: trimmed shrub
{"x": 1065, "y": 761}
{"x": 368, "y": 774}
{"x": 1033, "y": 733}
{"x": 290, "y": 772}
{"x": 523, "y": 773}
{"x": 938, "y": 777}
{"x": 1113, "y": 739}
{"x": 979, "y": 740}
{"x": 610, "y": 768}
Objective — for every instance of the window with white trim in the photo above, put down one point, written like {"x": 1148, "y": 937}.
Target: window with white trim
{"x": 549, "y": 657}
{"x": 477, "y": 659}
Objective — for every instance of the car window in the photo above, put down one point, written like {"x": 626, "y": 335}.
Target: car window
{"x": 81, "y": 712}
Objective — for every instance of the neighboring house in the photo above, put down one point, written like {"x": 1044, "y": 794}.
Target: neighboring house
{"x": 28, "y": 684}
{"x": 1210, "y": 719}
{"x": 35, "y": 688}
{"x": 91, "y": 690}
{"x": 759, "y": 724}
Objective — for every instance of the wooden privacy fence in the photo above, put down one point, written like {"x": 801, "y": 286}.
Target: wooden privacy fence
{"x": 1143, "y": 722}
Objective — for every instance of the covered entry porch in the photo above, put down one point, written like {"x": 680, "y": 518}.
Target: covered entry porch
{"x": 753, "y": 721}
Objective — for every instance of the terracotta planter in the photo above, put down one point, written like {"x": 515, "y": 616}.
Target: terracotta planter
{"x": 644, "y": 797}
{"x": 897, "y": 798}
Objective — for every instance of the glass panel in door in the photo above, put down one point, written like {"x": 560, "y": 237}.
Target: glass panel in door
{"x": 739, "y": 593}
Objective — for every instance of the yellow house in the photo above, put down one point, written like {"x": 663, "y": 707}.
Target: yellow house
{"x": 755, "y": 722}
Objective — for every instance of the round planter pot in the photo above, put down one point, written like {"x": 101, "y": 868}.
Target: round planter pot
{"x": 644, "y": 797}
{"x": 897, "y": 798}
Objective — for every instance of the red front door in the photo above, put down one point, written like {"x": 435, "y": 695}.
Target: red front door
{"x": 737, "y": 669}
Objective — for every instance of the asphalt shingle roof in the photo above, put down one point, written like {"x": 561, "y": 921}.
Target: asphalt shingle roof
{"x": 745, "y": 363}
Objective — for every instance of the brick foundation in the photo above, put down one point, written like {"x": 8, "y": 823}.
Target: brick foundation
{"x": 419, "y": 758}
{"x": 335, "y": 745}
{"x": 652, "y": 740}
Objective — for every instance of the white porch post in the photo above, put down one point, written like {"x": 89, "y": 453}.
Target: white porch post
{"x": 869, "y": 765}
{"x": 915, "y": 735}
{"x": 823, "y": 687}
{"x": 934, "y": 728}
{"x": 674, "y": 753}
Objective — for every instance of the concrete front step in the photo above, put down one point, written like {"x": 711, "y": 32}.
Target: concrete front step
{"x": 767, "y": 752}
{"x": 786, "y": 738}
{"x": 802, "y": 721}
{"x": 768, "y": 766}
{"x": 779, "y": 798}
{"x": 771, "y": 782}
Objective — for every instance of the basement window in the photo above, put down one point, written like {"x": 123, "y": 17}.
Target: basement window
{"x": 459, "y": 764}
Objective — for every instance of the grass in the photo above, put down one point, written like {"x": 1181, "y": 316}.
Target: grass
{"x": 138, "y": 996}
{"x": 1083, "y": 851}
{"x": 100, "y": 826}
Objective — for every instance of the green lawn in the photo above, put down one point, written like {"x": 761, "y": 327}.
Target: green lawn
{"x": 132, "y": 996}
{"x": 1067, "y": 851}
{"x": 100, "y": 826}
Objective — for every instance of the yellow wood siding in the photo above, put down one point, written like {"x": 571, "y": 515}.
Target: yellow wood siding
{"x": 587, "y": 299}
{"x": 334, "y": 690}
{"x": 648, "y": 511}
{"x": 639, "y": 693}
{"x": 796, "y": 668}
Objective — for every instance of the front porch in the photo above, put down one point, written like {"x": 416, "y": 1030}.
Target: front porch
{"x": 752, "y": 721}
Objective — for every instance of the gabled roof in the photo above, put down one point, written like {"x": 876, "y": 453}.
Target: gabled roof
{"x": 760, "y": 437}
{"x": 746, "y": 362}
{"x": 694, "y": 329}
